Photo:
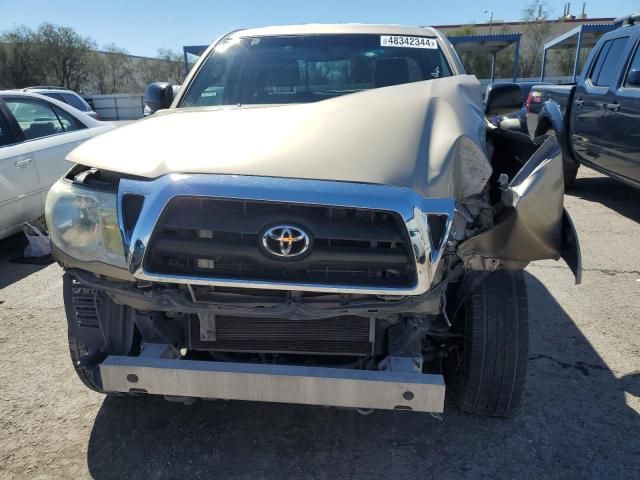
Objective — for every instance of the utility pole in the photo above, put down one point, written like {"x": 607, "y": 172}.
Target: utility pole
{"x": 490, "y": 20}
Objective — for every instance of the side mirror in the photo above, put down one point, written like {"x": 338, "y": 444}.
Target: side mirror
{"x": 158, "y": 96}
{"x": 633, "y": 78}
{"x": 502, "y": 98}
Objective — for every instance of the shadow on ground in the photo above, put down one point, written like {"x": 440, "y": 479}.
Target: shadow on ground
{"x": 613, "y": 194}
{"x": 574, "y": 423}
{"x": 11, "y": 248}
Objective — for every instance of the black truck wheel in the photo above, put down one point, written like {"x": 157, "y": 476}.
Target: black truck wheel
{"x": 86, "y": 375}
{"x": 569, "y": 165}
{"x": 485, "y": 371}
{"x": 569, "y": 170}
{"x": 97, "y": 327}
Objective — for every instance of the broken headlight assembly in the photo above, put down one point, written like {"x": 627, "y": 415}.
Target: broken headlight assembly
{"x": 83, "y": 223}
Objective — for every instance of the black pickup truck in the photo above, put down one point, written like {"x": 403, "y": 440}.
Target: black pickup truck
{"x": 597, "y": 120}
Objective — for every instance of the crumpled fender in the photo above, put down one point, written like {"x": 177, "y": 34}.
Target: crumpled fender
{"x": 533, "y": 224}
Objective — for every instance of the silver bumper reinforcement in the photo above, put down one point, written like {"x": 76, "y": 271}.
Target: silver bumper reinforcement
{"x": 337, "y": 387}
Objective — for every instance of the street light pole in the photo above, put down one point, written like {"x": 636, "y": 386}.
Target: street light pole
{"x": 490, "y": 20}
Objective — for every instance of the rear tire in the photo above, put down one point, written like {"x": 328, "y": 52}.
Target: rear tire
{"x": 485, "y": 372}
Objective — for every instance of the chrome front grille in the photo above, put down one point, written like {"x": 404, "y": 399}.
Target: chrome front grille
{"x": 205, "y": 229}
{"x": 220, "y": 238}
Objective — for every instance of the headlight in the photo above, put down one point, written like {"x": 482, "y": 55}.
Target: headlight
{"x": 83, "y": 223}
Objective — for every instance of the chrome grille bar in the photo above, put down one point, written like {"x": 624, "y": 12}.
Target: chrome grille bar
{"x": 414, "y": 210}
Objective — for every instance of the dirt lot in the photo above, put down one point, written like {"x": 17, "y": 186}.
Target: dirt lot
{"x": 580, "y": 416}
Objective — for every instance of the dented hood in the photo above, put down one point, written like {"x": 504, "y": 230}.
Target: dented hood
{"x": 428, "y": 136}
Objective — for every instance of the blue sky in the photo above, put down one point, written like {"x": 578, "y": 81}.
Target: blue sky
{"x": 143, "y": 26}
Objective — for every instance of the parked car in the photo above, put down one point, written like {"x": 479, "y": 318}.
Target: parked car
{"x": 322, "y": 215}
{"x": 597, "y": 120}
{"x": 36, "y": 134}
{"x": 67, "y": 96}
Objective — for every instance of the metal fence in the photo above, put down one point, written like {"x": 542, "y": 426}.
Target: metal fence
{"x": 117, "y": 106}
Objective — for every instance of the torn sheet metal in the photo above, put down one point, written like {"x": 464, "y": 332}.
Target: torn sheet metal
{"x": 530, "y": 224}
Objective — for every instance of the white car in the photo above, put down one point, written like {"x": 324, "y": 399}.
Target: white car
{"x": 36, "y": 134}
{"x": 65, "y": 95}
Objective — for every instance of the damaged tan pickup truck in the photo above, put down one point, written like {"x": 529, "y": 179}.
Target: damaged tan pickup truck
{"x": 322, "y": 215}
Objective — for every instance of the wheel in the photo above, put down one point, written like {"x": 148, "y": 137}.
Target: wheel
{"x": 86, "y": 375}
{"x": 569, "y": 165}
{"x": 569, "y": 171}
{"x": 97, "y": 327}
{"x": 486, "y": 368}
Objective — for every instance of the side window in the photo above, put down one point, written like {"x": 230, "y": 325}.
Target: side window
{"x": 68, "y": 121}
{"x": 605, "y": 69}
{"x": 597, "y": 66}
{"x": 74, "y": 101}
{"x": 36, "y": 118}
{"x": 635, "y": 65}
{"x": 55, "y": 95}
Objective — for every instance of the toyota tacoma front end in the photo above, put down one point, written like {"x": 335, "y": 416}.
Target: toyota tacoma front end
{"x": 323, "y": 216}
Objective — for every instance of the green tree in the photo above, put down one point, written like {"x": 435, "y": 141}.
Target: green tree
{"x": 109, "y": 70}
{"x": 167, "y": 66}
{"x": 66, "y": 55}
{"x": 174, "y": 65}
{"x": 57, "y": 55}
{"x": 20, "y": 59}
{"x": 535, "y": 31}
{"x": 462, "y": 31}
{"x": 474, "y": 63}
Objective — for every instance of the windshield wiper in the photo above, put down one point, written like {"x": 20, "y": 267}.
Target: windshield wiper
{"x": 340, "y": 91}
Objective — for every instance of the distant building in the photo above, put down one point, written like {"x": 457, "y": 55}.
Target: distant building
{"x": 558, "y": 27}
{"x": 559, "y": 64}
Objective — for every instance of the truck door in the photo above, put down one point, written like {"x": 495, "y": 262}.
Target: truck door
{"x": 623, "y": 123}
{"x": 19, "y": 189}
{"x": 592, "y": 100}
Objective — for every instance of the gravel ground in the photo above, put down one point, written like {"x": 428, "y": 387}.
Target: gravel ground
{"x": 579, "y": 419}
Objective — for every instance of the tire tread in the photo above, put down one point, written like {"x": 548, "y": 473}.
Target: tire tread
{"x": 496, "y": 323}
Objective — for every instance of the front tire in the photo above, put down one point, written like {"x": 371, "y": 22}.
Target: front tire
{"x": 86, "y": 375}
{"x": 485, "y": 371}
{"x": 97, "y": 327}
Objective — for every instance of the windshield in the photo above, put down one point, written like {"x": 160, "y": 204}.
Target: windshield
{"x": 309, "y": 68}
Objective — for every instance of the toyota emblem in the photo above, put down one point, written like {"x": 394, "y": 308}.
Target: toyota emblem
{"x": 285, "y": 241}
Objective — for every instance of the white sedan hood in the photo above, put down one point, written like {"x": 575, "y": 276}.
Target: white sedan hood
{"x": 428, "y": 136}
